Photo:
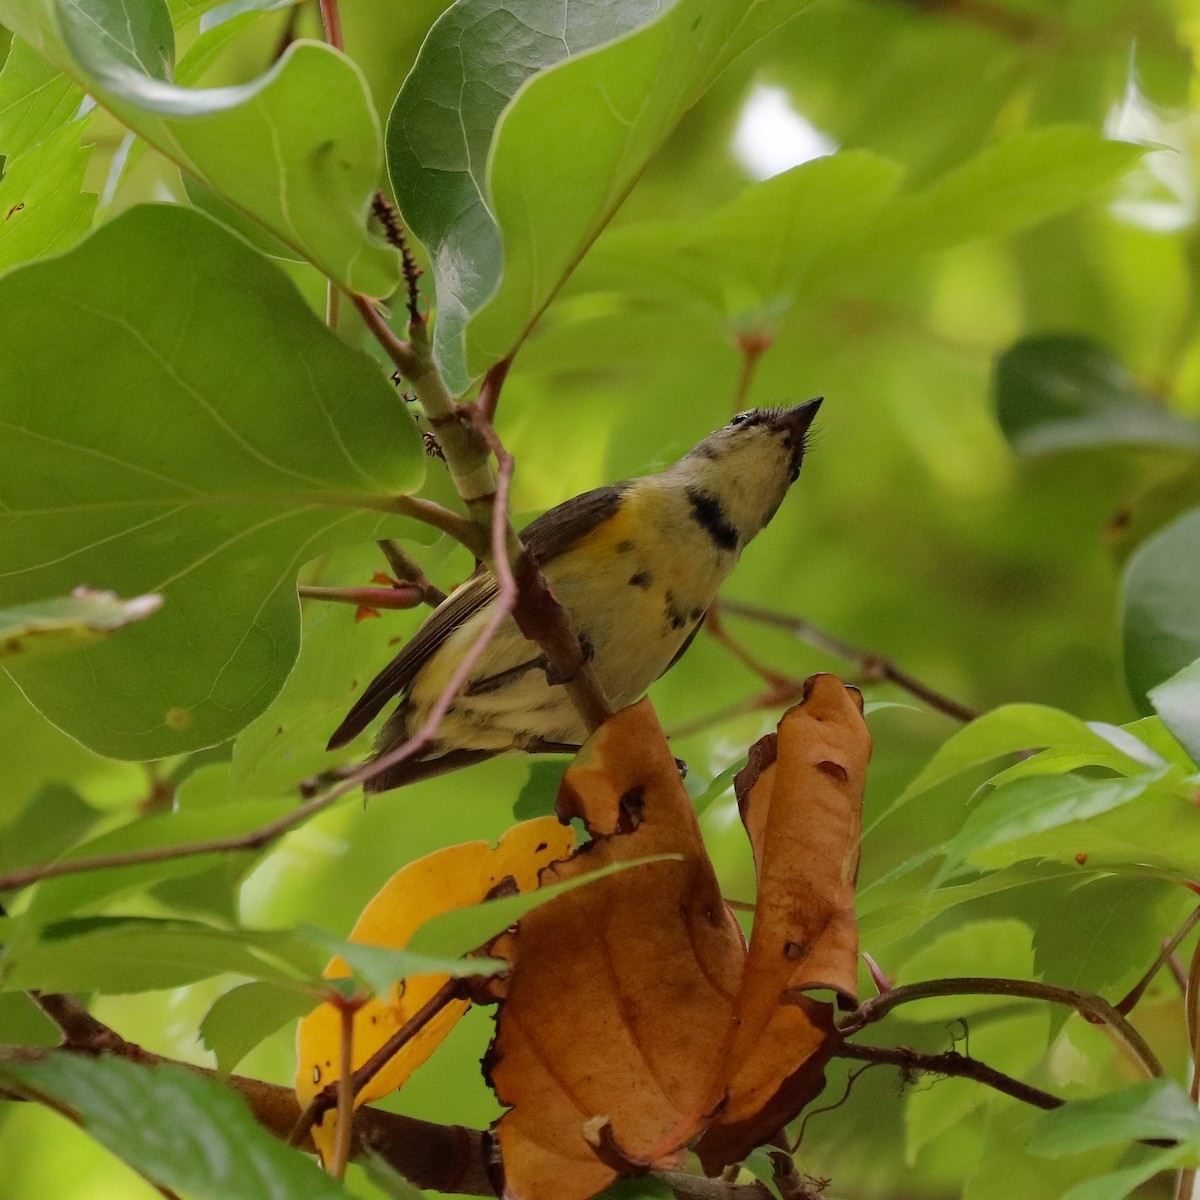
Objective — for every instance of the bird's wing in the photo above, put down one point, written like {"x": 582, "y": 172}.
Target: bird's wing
{"x": 397, "y": 676}
{"x": 552, "y": 533}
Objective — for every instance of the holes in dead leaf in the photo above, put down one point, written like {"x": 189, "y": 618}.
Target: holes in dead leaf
{"x": 833, "y": 770}
{"x": 633, "y": 807}
{"x": 794, "y": 950}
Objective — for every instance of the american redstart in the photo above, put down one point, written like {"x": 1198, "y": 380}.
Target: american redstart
{"x": 635, "y": 564}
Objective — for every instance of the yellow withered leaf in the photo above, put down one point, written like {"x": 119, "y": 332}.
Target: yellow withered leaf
{"x": 456, "y": 877}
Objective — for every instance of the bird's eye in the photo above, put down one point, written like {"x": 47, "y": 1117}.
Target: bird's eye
{"x": 742, "y": 417}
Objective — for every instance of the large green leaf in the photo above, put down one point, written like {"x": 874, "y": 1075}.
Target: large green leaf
{"x": 199, "y": 433}
{"x": 243, "y": 1016}
{"x": 476, "y": 57}
{"x": 819, "y": 227}
{"x": 35, "y": 99}
{"x": 298, "y": 149}
{"x": 1160, "y": 614}
{"x": 1068, "y": 393}
{"x": 174, "y": 1126}
{"x": 564, "y": 153}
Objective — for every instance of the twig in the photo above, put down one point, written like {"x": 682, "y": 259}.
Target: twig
{"x": 1000, "y": 20}
{"x": 387, "y": 216}
{"x": 874, "y": 667}
{"x": 1094, "y": 1008}
{"x": 752, "y": 347}
{"x": 399, "y": 351}
{"x": 406, "y": 569}
{"x": 950, "y": 1064}
{"x": 489, "y": 390}
{"x": 715, "y": 628}
{"x": 1187, "y": 1176}
{"x": 332, "y": 22}
{"x": 344, "y": 1125}
{"x": 78, "y": 1027}
{"x": 355, "y": 1080}
{"x": 365, "y": 597}
{"x": 1126, "y": 1004}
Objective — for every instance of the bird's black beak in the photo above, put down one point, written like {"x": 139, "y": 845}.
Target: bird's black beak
{"x": 797, "y": 420}
{"x": 794, "y": 424}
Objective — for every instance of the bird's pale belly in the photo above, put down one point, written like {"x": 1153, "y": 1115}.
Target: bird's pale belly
{"x": 509, "y": 703}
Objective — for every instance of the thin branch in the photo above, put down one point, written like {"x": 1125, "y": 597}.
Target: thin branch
{"x": 77, "y": 1026}
{"x": 715, "y": 628}
{"x": 874, "y": 667}
{"x": 1126, "y": 1004}
{"x": 489, "y": 390}
{"x": 332, "y": 23}
{"x": 344, "y": 1125}
{"x": 458, "y": 527}
{"x": 399, "y": 351}
{"x": 389, "y": 218}
{"x": 999, "y": 20}
{"x": 399, "y": 597}
{"x": 1093, "y": 1008}
{"x": 950, "y": 1064}
{"x": 1187, "y": 1177}
{"x": 752, "y": 347}
{"x": 406, "y": 569}
{"x": 355, "y": 1080}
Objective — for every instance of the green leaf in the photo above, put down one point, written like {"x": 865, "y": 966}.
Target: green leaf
{"x": 1177, "y": 702}
{"x": 1118, "y": 1184}
{"x": 268, "y": 434}
{"x": 177, "y": 1128}
{"x": 297, "y": 149}
{"x": 1156, "y": 833}
{"x": 1015, "y": 183}
{"x": 54, "y": 819}
{"x": 128, "y": 954}
{"x": 443, "y": 122}
{"x": 1068, "y": 393}
{"x": 35, "y": 100}
{"x": 1099, "y": 936}
{"x": 1006, "y": 730}
{"x": 1157, "y": 1108}
{"x": 43, "y": 209}
{"x": 379, "y": 967}
{"x": 564, "y": 152}
{"x": 758, "y": 1163}
{"x": 68, "y": 622}
{"x": 458, "y": 932}
{"x": 1030, "y": 806}
{"x": 245, "y": 1015}
{"x": 1160, "y": 617}
{"x": 74, "y": 894}
{"x": 976, "y": 948}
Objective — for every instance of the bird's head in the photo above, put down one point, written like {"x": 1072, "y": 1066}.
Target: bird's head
{"x": 747, "y": 467}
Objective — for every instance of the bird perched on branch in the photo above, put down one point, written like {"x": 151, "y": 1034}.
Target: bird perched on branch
{"x": 634, "y": 564}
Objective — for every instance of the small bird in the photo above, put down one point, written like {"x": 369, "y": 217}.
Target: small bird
{"x": 635, "y": 564}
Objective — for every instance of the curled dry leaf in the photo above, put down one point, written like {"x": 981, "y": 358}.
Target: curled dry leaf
{"x": 456, "y": 877}
{"x": 800, "y": 796}
{"x": 634, "y": 1020}
{"x": 622, "y": 992}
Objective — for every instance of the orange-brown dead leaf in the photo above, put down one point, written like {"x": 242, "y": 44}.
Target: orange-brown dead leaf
{"x": 621, "y": 995}
{"x": 800, "y": 796}
{"x": 456, "y": 877}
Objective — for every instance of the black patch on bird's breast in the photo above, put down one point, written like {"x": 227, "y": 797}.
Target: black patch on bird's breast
{"x": 710, "y": 516}
{"x": 642, "y": 579}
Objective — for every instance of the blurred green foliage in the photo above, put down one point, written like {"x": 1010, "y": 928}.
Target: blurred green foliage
{"x": 995, "y": 283}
